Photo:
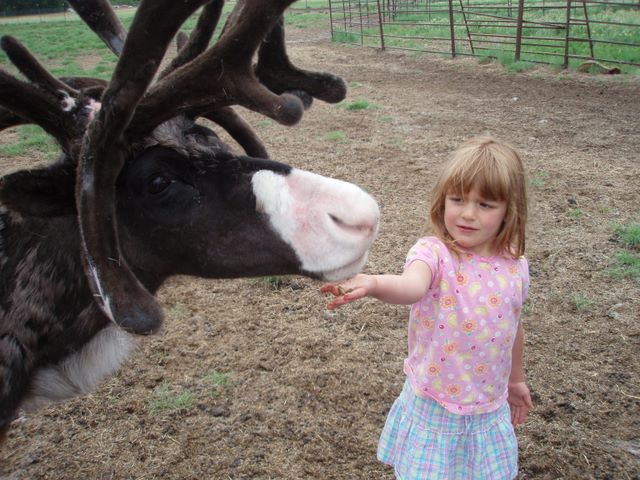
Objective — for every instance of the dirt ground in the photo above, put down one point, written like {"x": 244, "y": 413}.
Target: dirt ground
{"x": 307, "y": 390}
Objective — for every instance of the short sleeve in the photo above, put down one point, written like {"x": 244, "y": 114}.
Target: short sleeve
{"x": 523, "y": 264}
{"x": 427, "y": 250}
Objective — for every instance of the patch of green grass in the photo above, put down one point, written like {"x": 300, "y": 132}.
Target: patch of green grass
{"x": 627, "y": 265}
{"x": 626, "y": 262}
{"x": 273, "y": 282}
{"x": 358, "y": 104}
{"x": 518, "y": 67}
{"x": 217, "y": 382}
{"x": 629, "y": 235}
{"x": 305, "y": 19}
{"x": 485, "y": 60}
{"x": 581, "y": 302}
{"x": 336, "y": 136}
{"x": 576, "y": 213}
{"x": 31, "y": 139}
{"x": 164, "y": 399}
{"x": 345, "y": 37}
{"x": 539, "y": 177}
{"x": 218, "y": 379}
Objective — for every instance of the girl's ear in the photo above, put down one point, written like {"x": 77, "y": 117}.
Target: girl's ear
{"x": 46, "y": 192}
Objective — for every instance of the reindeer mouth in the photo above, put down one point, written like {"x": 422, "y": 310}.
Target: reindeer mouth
{"x": 345, "y": 271}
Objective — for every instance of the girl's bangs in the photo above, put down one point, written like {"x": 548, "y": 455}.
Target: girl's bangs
{"x": 483, "y": 172}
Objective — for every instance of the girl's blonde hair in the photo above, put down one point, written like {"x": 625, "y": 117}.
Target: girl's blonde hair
{"x": 496, "y": 169}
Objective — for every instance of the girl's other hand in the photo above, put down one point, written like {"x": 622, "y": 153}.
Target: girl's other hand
{"x": 346, "y": 292}
{"x": 520, "y": 402}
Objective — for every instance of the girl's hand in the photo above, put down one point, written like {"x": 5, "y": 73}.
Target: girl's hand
{"x": 346, "y": 292}
{"x": 520, "y": 402}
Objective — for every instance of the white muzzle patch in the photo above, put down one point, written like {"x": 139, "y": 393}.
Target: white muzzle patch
{"x": 329, "y": 223}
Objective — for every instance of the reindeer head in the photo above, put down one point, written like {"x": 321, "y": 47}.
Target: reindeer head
{"x": 138, "y": 160}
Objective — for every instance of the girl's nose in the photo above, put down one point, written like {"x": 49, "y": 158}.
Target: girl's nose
{"x": 468, "y": 211}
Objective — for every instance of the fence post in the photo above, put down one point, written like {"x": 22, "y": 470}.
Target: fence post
{"x": 586, "y": 19}
{"x": 453, "y": 33}
{"x": 380, "y": 22}
{"x": 466, "y": 26}
{"x": 566, "y": 36}
{"x": 361, "y": 26}
{"x": 331, "y": 20}
{"x": 519, "y": 29}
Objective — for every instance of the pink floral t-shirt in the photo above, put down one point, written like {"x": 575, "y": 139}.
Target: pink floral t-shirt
{"x": 462, "y": 331}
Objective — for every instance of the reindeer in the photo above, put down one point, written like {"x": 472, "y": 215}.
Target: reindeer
{"x": 141, "y": 191}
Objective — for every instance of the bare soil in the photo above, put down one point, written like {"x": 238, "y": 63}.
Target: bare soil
{"x": 308, "y": 390}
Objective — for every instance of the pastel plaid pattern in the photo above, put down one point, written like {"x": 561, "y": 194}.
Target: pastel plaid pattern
{"x": 422, "y": 440}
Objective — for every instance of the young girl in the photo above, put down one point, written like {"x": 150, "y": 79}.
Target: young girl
{"x": 465, "y": 385}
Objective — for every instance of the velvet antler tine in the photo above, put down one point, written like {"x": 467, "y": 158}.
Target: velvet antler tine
{"x": 275, "y": 70}
{"x": 32, "y": 69}
{"x": 239, "y": 130}
{"x": 226, "y": 65}
{"x": 200, "y": 36}
{"x": 34, "y": 106}
{"x": 154, "y": 25}
{"x": 118, "y": 292}
{"x": 100, "y": 17}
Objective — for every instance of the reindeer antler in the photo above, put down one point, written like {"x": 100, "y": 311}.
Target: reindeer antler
{"x": 119, "y": 293}
{"x": 100, "y": 17}
{"x": 276, "y": 71}
{"x": 200, "y": 37}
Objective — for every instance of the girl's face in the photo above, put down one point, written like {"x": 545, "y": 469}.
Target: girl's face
{"x": 473, "y": 221}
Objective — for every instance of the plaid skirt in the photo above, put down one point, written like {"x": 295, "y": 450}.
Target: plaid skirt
{"x": 422, "y": 440}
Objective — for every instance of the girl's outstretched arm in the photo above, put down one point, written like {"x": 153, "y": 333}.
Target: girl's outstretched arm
{"x": 519, "y": 395}
{"x": 402, "y": 289}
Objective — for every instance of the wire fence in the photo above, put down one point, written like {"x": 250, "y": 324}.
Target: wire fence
{"x": 572, "y": 33}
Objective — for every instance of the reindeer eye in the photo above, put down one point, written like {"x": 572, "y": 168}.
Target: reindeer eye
{"x": 159, "y": 184}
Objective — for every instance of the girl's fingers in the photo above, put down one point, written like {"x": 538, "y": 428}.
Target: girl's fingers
{"x": 519, "y": 414}
{"x": 336, "y": 289}
{"x": 329, "y": 288}
{"x": 355, "y": 294}
{"x": 515, "y": 415}
{"x": 342, "y": 299}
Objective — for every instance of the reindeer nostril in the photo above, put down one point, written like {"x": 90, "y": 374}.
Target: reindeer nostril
{"x": 357, "y": 228}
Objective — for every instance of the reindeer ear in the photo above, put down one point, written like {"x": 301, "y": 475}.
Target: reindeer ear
{"x": 46, "y": 192}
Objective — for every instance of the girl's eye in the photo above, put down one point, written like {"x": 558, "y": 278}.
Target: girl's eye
{"x": 159, "y": 184}
{"x": 455, "y": 199}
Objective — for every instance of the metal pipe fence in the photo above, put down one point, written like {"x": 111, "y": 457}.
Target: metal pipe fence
{"x": 570, "y": 33}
